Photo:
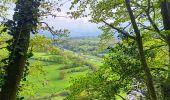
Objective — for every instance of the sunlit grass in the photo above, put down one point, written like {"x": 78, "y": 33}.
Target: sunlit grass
{"x": 49, "y": 83}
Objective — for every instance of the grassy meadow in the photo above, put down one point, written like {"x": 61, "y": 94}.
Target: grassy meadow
{"x": 51, "y": 77}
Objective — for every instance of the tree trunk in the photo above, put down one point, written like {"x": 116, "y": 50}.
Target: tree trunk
{"x": 166, "y": 83}
{"x": 165, "y": 11}
{"x": 148, "y": 76}
{"x": 25, "y": 20}
{"x": 15, "y": 68}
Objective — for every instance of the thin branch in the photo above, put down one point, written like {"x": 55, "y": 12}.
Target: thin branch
{"x": 149, "y": 17}
{"x": 127, "y": 25}
{"x": 50, "y": 29}
{"x": 152, "y": 22}
{"x": 147, "y": 11}
{"x": 145, "y": 27}
{"x": 121, "y": 97}
{"x": 53, "y": 15}
{"x": 119, "y": 30}
{"x": 150, "y": 29}
{"x": 138, "y": 5}
{"x": 130, "y": 22}
{"x": 154, "y": 47}
{"x": 154, "y": 12}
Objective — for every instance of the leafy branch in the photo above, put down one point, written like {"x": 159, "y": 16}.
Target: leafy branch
{"x": 120, "y": 30}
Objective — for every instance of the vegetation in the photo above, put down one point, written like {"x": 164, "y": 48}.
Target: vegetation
{"x": 129, "y": 60}
{"x": 85, "y": 45}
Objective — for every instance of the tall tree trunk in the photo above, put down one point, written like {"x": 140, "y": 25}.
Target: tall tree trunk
{"x": 25, "y": 19}
{"x": 148, "y": 76}
{"x": 15, "y": 68}
{"x": 165, "y": 11}
{"x": 166, "y": 83}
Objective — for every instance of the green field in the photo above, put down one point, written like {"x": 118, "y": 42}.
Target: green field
{"x": 46, "y": 79}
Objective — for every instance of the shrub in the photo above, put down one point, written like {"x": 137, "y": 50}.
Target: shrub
{"x": 66, "y": 67}
{"x": 77, "y": 70}
{"x": 61, "y": 75}
{"x": 64, "y": 93}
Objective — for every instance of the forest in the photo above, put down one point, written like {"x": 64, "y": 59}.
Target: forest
{"x": 120, "y": 50}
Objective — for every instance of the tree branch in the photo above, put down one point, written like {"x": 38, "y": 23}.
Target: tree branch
{"x": 145, "y": 27}
{"x": 130, "y": 22}
{"x": 119, "y": 30}
{"x": 121, "y": 97}
{"x": 154, "y": 47}
{"x": 50, "y": 29}
{"x": 151, "y": 21}
{"x": 147, "y": 11}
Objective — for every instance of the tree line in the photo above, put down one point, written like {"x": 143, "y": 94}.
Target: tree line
{"x": 136, "y": 21}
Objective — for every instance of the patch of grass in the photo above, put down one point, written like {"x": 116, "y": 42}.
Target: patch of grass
{"x": 49, "y": 83}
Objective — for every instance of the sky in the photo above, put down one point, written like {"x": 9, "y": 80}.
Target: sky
{"x": 78, "y": 27}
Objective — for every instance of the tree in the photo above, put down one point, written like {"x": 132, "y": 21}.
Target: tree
{"x": 120, "y": 67}
{"x": 152, "y": 9}
{"x": 27, "y": 19}
{"x": 165, "y": 11}
{"x": 116, "y": 12}
{"x": 149, "y": 81}
{"x": 24, "y": 22}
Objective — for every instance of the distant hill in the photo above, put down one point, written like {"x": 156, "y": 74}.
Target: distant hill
{"x": 75, "y": 35}
{"x": 85, "y": 37}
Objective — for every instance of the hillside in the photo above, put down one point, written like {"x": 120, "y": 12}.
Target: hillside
{"x": 85, "y": 45}
{"x": 51, "y": 72}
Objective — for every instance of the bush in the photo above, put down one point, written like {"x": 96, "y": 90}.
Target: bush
{"x": 64, "y": 93}
{"x": 61, "y": 75}
{"x": 66, "y": 67}
{"x": 77, "y": 70}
